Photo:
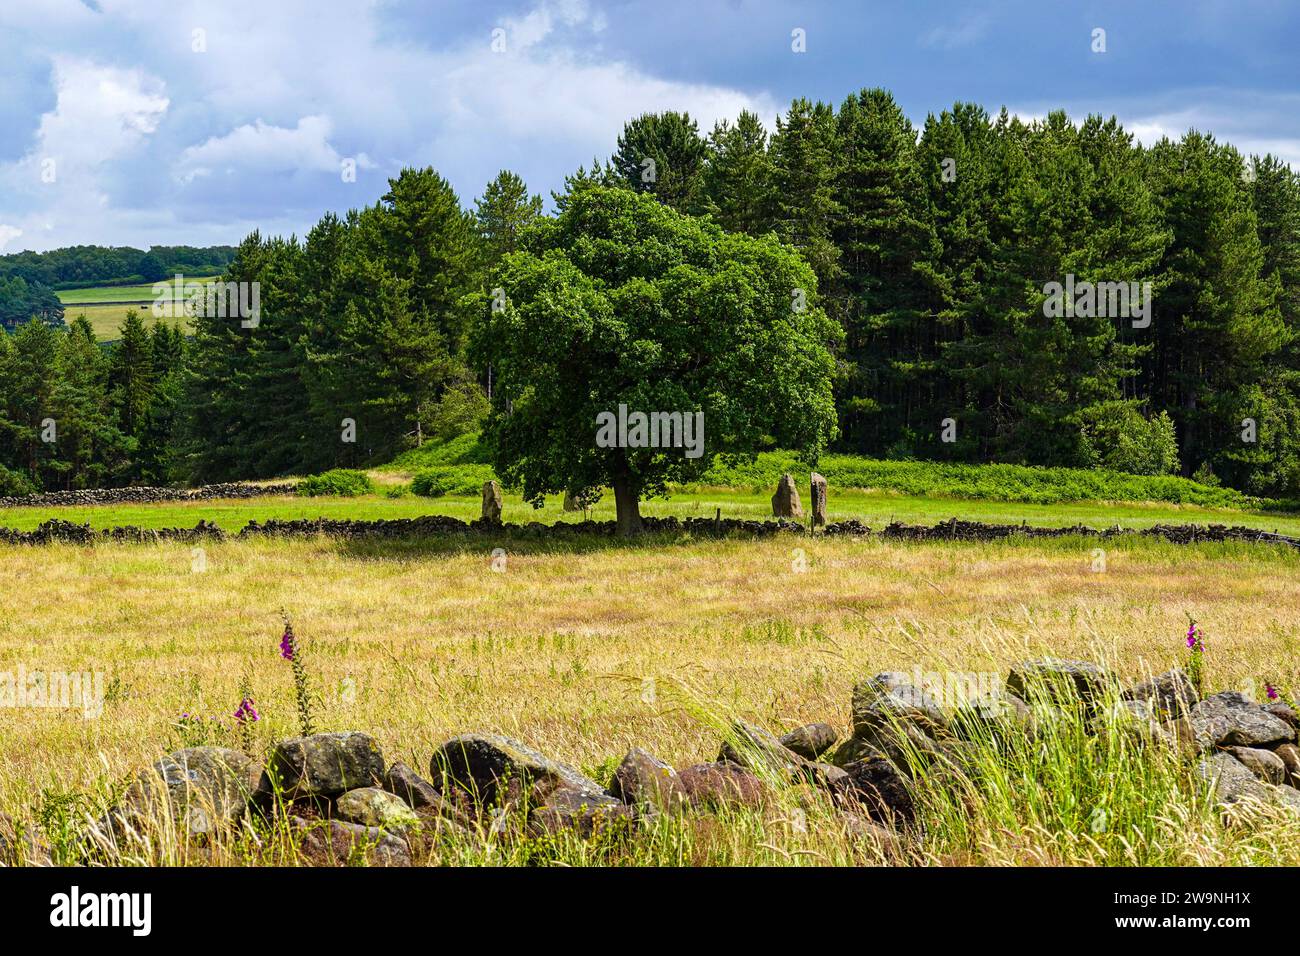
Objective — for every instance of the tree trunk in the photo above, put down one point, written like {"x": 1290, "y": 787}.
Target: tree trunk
{"x": 627, "y": 504}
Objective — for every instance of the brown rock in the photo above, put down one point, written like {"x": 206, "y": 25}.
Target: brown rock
{"x": 1289, "y": 754}
{"x": 642, "y": 778}
{"x": 881, "y": 789}
{"x": 1264, "y": 764}
{"x": 786, "y": 503}
{"x": 492, "y": 502}
{"x": 335, "y": 843}
{"x": 719, "y": 784}
{"x": 819, "y": 496}
{"x": 1171, "y": 694}
{"x": 411, "y": 787}
{"x": 582, "y": 812}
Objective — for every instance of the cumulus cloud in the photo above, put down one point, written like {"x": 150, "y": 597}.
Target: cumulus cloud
{"x": 262, "y": 148}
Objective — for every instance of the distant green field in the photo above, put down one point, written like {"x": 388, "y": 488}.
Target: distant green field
{"x": 106, "y": 319}
{"x": 120, "y": 293}
{"x": 875, "y": 508}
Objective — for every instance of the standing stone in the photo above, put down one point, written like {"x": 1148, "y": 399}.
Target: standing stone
{"x": 818, "y": 500}
{"x": 786, "y": 503}
{"x": 571, "y": 503}
{"x": 492, "y": 502}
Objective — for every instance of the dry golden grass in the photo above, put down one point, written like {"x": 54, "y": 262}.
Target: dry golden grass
{"x": 583, "y": 652}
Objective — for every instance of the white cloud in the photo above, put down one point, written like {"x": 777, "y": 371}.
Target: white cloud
{"x": 262, "y": 148}
{"x": 8, "y": 234}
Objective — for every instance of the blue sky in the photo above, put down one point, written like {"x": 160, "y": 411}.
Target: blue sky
{"x": 150, "y": 141}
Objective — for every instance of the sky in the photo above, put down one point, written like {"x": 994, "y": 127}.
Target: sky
{"x": 169, "y": 122}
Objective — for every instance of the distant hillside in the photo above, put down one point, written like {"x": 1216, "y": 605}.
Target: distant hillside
{"x": 85, "y": 266}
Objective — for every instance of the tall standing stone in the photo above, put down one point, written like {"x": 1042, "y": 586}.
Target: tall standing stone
{"x": 818, "y": 500}
{"x": 570, "y": 502}
{"x": 786, "y": 503}
{"x": 492, "y": 502}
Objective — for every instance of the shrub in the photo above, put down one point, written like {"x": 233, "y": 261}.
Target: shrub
{"x": 15, "y": 483}
{"x": 1118, "y": 437}
{"x": 450, "y": 480}
{"x": 343, "y": 482}
{"x": 462, "y": 410}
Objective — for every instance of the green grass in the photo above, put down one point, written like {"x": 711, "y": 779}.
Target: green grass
{"x": 875, "y": 508}
{"x": 120, "y": 293}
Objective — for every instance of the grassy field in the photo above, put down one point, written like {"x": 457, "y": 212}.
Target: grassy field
{"x": 105, "y": 306}
{"x": 588, "y": 649}
{"x": 875, "y": 508}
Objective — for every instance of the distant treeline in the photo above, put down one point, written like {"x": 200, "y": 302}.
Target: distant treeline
{"x": 83, "y": 266}
{"x": 21, "y": 301}
{"x": 935, "y": 250}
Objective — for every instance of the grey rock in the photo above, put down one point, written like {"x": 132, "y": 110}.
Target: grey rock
{"x": 759, "y": 750}
{"x": 819, "y": 500}
{"x": 810, "y": 741}
{"x": 325, "y": 765}
{"x": 496, "y": 769}
{"x": 586, "y": 814}
{"x": 994, "y": 716}
{"x": 1264, "y": 764}
{"x": 372, "y": 807}
{"x": 642, "y": 778}
{"x": 1171, "y": 694}
{"x": 786, "y": 503}
{"x": 1283, "y": 712}
{"x": 492, "y": 502}
{"x": 883, "y": 792}
{"x": 1230, "y": 719}
{"x": 411, "y": 787}
{"x": 1232, "y": 782}
{"x": 889, "y": 699}
{"x": 202, "y": 789}
{"x": 1058, "y": 680}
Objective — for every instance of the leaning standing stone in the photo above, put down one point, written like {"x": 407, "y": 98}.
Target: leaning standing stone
{"x": 818, "y": 500}
{"x": 492, "y": 502}
{"x": 786, "y": 503}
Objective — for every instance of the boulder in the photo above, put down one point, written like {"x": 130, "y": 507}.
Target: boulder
{"x": 881, "y": 789}
{"x": 335, "y": 843}
{"x": 417, "y": 792}
{"x": 720, "y": 784}
{"x": 1230, "y": 719}
{"x": 1171, "y": 694}
{"x": 1283, "y": 712}
{"x": 994, "y": 716}
{"x": 1264, "y": 764}
{"x": 786, "y": 503}
{"x": 570, "y": 502}
{"x": 584, "y": 813}
{"x": 759, "y": 750}
{"x": 642, "y": 779}
{"x": 889, "y": 699}
{"x": 372, "y": 807}
{"x": 810, "y": 741}
{"x": 863, "y": 830}
{"x": 909, "y": 747}
{"x": 496, "y": 769}
{"x": 1231, "y": 782}
{"x": 492, "y": 502}
{"x": 324, "y": 765}
{"x": 203, "y": 789}
{"x": 1058, "y": 680}
{"x": 1289, "y": 754}
{"x": 819, "y": 496}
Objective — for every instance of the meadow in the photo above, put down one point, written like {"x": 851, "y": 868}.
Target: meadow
{"x": 105, "y": 306}
{"x": 416, "y": 641}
